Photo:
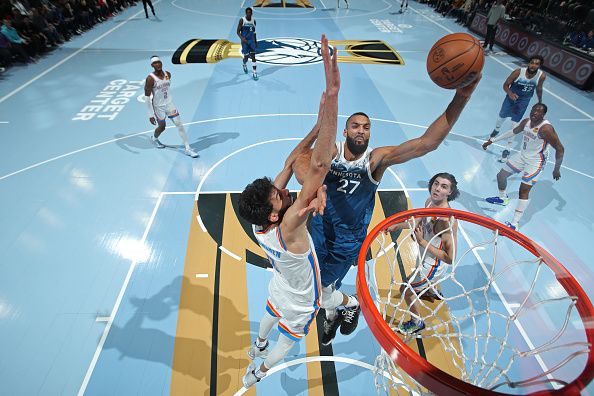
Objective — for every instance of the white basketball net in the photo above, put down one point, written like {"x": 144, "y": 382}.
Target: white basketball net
{"x": 483, "y": 332}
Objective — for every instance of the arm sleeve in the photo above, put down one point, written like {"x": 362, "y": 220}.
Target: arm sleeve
{"x": 149, "y": 106}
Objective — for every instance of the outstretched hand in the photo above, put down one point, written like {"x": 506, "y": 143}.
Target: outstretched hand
{"x": 330, "y": 68}
{"x": 316, "y": 205}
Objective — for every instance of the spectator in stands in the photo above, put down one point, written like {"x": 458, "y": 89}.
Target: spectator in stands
{"x": 588, "y": 41}
{"x": 496, "y": 12}
{"x": 17, "y": 43}
{"x": 5, "y": 55}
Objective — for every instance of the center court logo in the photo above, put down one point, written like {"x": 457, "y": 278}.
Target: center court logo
{"x": 288, "y": 51}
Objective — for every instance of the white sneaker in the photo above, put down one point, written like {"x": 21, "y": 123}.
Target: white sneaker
{"x": 157, "y": 142}
{"x": 256, "y": 351}
{"x": 250, "y": 378}
{"x": 191, "y": 153}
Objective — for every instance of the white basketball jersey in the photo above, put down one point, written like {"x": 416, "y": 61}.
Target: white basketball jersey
{"x": 534, "y": 146}
{"x": 428, "y": 235}
{"x": 296, "y": 276}
{"x": 161, "y": 95}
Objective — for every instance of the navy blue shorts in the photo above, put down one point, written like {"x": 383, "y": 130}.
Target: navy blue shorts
{"x": 248, "y": 47}
{"x": 337, "y": 249}
{"x": 512, "y": 109}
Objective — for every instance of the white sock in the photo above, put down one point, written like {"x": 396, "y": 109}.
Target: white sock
{"x": 510, "y": 140}
{"x": 280, "y": 350}
{"x": 260, "y": 344}
{"x": 254, "y": 66}
{"x": 522, "y": 204}
{"x": 331, "y": 314}
{"x": 259, "y": 374}
{"x": 502, "y": 194}
{"x": 499, "y": 123}
{"x": 353, "y": 302}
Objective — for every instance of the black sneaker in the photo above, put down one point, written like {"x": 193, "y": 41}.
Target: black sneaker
{"x": 350, "y": 319}
{"x": 494, "y": 133}
{"x": 330, "y": 327}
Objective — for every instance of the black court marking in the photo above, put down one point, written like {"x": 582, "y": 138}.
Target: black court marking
{"x": 329, "y": 381}
{"x": 213, "y": 208}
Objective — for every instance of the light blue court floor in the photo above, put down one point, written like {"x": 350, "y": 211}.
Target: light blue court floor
{"x": 109, "y": 284}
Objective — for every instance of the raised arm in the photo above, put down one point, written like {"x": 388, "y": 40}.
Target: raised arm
{"x": 548, "y": 133}
{"x": 321, "y": 155}
{"x": 383, "y": 157}
{"x": 303, "y": 147}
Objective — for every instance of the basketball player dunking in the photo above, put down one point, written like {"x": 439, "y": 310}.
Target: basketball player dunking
{"x": 354, "y": 177}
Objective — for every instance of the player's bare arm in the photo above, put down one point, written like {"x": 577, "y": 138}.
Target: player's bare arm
{"x": 239, "y": 26}
{"x": 300, "y": 161}
{"x": 508, "y": 82}
{"x": 148, "y": 90}
{"x": 384, "y": 157}
{"x": 448, "y": 238}
{"x": 293, "y": 225}
{"x": 539, "y": 87}
{"x": 519, "y": 128}
{"x": 548, "y": 133}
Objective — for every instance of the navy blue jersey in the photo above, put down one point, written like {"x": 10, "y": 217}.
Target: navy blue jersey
{"x": 248, "y": 28}
{"x": 524, "y": 86}
{"x": 351, "y": 191}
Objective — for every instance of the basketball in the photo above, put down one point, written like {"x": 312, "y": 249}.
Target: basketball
{"x": 455, "y": 60}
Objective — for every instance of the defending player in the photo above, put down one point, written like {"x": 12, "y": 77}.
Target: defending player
{"x": 280, "y": 228}
{"x": 161, "y": 106}
{"x": 246, "y": 30}
{"x": 538, "y": 134}
{"x": 519, "y": 87}
{"x": 355, "y": 174}
{"x": 436, "y": 240}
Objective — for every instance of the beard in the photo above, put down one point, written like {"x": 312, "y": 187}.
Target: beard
{"x": 355, "y": 148}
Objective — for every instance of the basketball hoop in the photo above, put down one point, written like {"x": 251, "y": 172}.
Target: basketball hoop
{"x": 490, "y": 351}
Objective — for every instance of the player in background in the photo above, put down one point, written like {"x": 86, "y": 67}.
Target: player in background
{"x": 538, "y": 134}
{"x": 246, "y": 30}
{"x": 436, "y": 240}
{"x": 519, "y": 86}
{"x": 161, "y": 106}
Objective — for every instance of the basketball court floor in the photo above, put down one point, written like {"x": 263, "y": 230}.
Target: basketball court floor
{"x": 114, "y": 282}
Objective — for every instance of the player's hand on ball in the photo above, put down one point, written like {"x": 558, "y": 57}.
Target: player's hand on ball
{"x": 469, "y": 89}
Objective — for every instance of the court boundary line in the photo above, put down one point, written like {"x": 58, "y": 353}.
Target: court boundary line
{"x": 46, "y": 71}
{"x": 35, "y": 165}
{"x": 508, "y": 67}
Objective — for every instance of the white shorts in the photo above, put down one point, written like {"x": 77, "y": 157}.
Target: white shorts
{"x": 429, "y": 272}
{"x": 531, "y": 168}
{"x": 295, "y": 320}
{"x": 164, "y": 111}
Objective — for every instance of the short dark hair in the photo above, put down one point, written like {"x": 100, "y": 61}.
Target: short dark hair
{"x": 540, "y": 58}
{"x": 454, "y": 193}
{"x": 250, "y": 9}
{"x": 346, "y": 124}
{"x": 544, "y": 107}
{"x": 254, "y": 202}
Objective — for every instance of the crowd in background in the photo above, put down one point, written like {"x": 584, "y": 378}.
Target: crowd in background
{"x": 31, "y": 28}
{"x": 570, "y": 22}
